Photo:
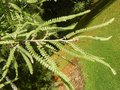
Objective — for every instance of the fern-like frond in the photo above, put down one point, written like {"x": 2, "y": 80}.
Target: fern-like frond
{"x": 76, "y": 48}
{"x": 55, "y": 20}
{"x": 24, "y": 51}
{"x": 16, "y": 68}
{"x": 8, "y": 63}
{"x": 92, "y": 57}
{"x": 54, "y": 70}
{"x": 27, "y": 62}
{"x": 57, "y": 29}
{"x": 89, "y": 28}
{"x": 92, "y": 37}
{"x": 97, "y": 59}
{"x": 54, "y": 50}
{"x": 84, "y": 55}
{"x": 35, "y": 55}
{"x": 50, "y": 47}
{"x": 8, "y": 42}
{"x": 64, "y": 18}
{"x": 61, "y": 47}
{"x": 46, "y": 56}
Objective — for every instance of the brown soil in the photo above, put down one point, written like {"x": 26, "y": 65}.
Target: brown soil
{"x": 74, "y": 73}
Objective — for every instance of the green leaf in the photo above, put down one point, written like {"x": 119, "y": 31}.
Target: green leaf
{"x": 26, "y": 53}
{"x": 15, "y": 7}
{"x": 28, "y": 63}
{"x": 64, "y": 18}
{"x": 31, "y": 1}
{"x": 8, "y": 63}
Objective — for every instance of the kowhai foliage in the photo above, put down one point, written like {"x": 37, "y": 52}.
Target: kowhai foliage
{"x": 24, "y": 34}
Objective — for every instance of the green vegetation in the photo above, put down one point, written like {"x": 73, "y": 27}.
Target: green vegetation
{"x": 97, "y": 76}
{"x": 27, "y": 41}
{"x": 26, "y": 38}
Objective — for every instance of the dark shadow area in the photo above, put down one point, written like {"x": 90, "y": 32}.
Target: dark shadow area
{"x": 58, "y": 8}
